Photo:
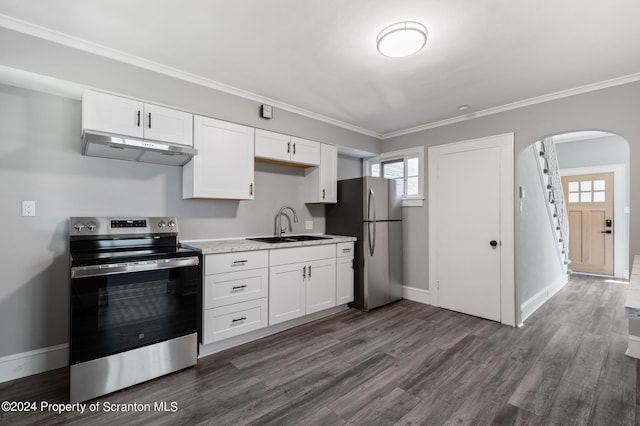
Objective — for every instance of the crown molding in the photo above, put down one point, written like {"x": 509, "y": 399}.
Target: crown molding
{"x": 518, "y": 104}
{"x": 44, "y": 33}
{"x": 116, "y": 55}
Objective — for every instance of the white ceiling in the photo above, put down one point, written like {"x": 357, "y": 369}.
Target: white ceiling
{"x": 320, "y": 56}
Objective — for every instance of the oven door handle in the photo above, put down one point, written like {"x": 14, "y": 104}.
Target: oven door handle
{"x": 128, "y": 267}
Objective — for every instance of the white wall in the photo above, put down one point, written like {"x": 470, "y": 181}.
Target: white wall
{"x": 349, "y": 167}
{"x": 31, "y": 54}
{"x": 40, "y": 160}
{"x": 611, "y": 149}
{"x": 614, "y": 109}
{"x": 540, "y": 268}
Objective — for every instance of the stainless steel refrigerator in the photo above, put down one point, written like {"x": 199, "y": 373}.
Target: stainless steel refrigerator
{"x": 370, "y": 209}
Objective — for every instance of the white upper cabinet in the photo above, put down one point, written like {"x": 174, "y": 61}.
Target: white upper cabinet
{"x": 121, "y": 116}
{"x": 322, "y": 181}
{"x": 304, "y": 151}
{"x": 112, "y": 114}
{"x": 273, "y": 146}
{"x": 284, "y": 148}
{"x": 168, "y": 125}
{"x": 223, "y": 167}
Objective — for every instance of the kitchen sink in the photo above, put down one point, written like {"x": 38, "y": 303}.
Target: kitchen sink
{"x": 288, "y": 239}
{"x": 306, "y": 237}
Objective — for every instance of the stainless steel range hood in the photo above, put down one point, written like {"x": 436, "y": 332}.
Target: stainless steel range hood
{"x": 96, "y": 144}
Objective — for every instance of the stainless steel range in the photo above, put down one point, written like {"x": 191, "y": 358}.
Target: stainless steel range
{"x": 134, "y": 303}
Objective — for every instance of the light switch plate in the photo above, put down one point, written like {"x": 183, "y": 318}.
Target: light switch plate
{"x": 308, "y": 224}
{"x": 28, "y": 208}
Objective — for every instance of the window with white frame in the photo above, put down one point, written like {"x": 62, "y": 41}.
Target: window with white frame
{"x": 406, "y": 168}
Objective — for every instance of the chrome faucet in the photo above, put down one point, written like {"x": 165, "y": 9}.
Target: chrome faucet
{"x": 279, "y": 229}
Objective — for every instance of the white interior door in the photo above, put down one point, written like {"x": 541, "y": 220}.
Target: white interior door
{"x": 471, "y": 227}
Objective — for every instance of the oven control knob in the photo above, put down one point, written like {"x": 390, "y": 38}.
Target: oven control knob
{"x": 78, "y": 226}
{"x": 91, "y": 226}
{"x": 171, "y": 224}
{"x": 161, "y": 224}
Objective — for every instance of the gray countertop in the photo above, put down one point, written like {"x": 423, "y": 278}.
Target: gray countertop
{"x": 242, "y": 244}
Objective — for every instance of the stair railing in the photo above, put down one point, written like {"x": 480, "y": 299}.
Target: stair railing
{"x": 556, "y": 195}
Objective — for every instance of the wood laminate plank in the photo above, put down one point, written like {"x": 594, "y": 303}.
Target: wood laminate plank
{"x": 572, "y": 404}
{"x": 405, "y": 364}
{"x": 512, "y": 415}
{"x": 335, "y": 386}
{"x": 614, "y": 405}
{"x": 536, "y": 389}
{"x": 362, "y": 397}
{"x": 385, "y": 410}
{"x": 382, "y": 341}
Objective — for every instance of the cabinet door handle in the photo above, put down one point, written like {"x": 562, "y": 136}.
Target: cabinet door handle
{"x": 238, "y": 319}
{"x": 138, "y": 114}
{"x": 149, "y": 120}
{"x": 304, "y": 272}
{"x": 238, "y": 287}
{"x": 323, "y": 193}
{"x": 294, "y": 149}
{"x": 288, "y": 147}
{"x": 251, "y": 188}
{"x": 309, "y": 271}
{"x": 239, "y": 262}
{"x": 348, "y": 250}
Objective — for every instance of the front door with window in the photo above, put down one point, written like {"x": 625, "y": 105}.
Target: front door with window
{"x": 589, "y": 200}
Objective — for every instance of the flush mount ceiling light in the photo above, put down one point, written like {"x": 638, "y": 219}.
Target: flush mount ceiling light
{"x": 402, "y": 39}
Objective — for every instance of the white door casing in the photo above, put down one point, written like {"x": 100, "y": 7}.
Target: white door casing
{"x": 471, "y": 203}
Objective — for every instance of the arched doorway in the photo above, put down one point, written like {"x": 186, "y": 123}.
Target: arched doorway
{"x": 588, "y": 161}
{"x": 541, "y": 270}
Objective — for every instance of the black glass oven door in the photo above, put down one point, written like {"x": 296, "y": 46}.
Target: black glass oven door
{"x": 119, "y": 311}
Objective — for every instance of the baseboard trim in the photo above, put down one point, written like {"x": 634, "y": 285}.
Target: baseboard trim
{"x": 33, "y": 362}
{"x": 416, "y": 294}
{"x": 533, "y": 303}
{"x": 633, "y": 350}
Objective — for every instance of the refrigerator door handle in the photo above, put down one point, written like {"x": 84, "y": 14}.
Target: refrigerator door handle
{"x": 372, "y": 235}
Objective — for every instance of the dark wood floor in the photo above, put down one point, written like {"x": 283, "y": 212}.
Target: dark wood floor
{"x": 403, "y": 364}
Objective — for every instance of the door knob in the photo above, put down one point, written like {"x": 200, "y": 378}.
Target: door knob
{"x": 608, "y": 231}
{"x": 493, "y": 243}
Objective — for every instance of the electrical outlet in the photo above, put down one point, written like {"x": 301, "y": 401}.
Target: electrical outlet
{"x": 308, "y": 224}
{"x": 28, "y": 208}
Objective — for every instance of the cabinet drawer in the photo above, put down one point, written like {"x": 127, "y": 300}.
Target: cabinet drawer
{"x": 235, "y": 287}
{"x": 233, "y": 320}
{"x": 236, "y": 261}
{"x": 301, "y": 254}
{"x": 344, "y": 249}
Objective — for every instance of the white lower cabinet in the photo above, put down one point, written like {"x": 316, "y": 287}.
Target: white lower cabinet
{"x": 235, "y": 287}
{"x": 232, "y": 320}
{"x": 235, "y": 294}
{"x": 321, "y": 285}
{"x": 287, "y": 295}
{"x": 246, "y": 291}
{"x": 344, "y": 273}
{"x": 302, "y": 280}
